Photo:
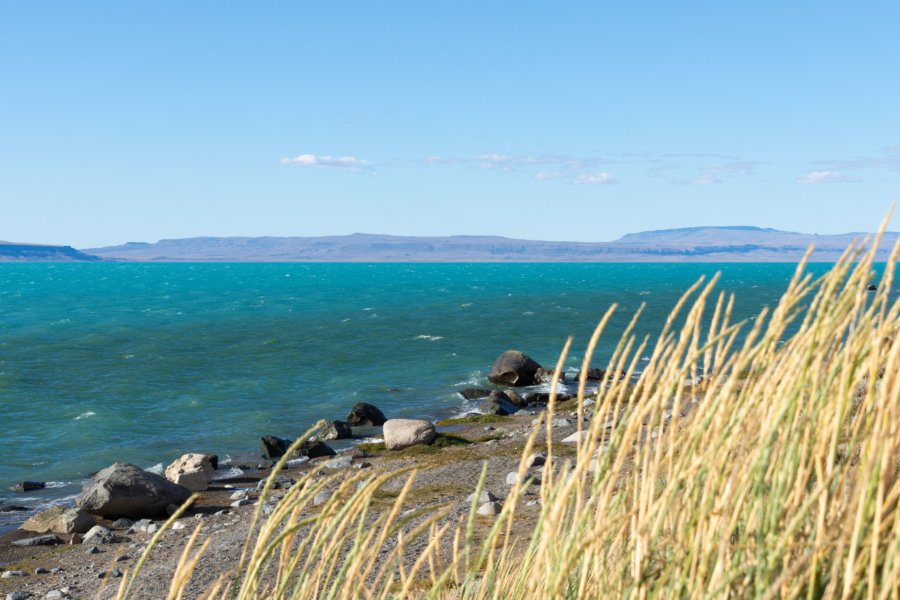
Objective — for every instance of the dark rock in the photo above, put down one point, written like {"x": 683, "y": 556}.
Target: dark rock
{"x": 513, "y": 368}
{"x": 28, "y": 486}
{"x": 41, "y": 540}
{"x": 872, "y": 287}
{"x": 592, "y": 374}
{"x": 313, "y": 450}
{"x": 543, "y": 375}
{"x": 335, "y": 430}
{"x": 124, "y": 490}
{"x": 273, "y": 447}
{"x": 497, "y": 404}
{"x": 544, "y": 397}
{"x": 515, "y": 398}
{"x": 41, "y": 571}
{"x": 214, "y": 460}
{"x": 365, "y": 414}
{"x": 13, "y": 508}
{"x": 124, "y": 523}
{"x": 474, "y": 393}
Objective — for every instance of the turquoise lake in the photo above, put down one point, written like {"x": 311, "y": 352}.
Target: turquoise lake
{"x": 145, "y": 362}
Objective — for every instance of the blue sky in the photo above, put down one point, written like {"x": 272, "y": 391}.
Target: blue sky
{"x": 565, "y": 121}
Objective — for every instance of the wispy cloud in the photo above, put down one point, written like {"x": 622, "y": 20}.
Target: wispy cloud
{"x": 508, "y": 162}
{"x": 711, "y": 174}
{"x": 549, "y": 175}
{"x": 345, "y": 163}
{"x": 594, "y": 178}
{"x": 826, "y": 177}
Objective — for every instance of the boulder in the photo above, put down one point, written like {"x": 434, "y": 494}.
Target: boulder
{"x": 365, "y": 414}
{"x": 193, "y": 471}
{"x": 28, "y": 486}
{"x": 474, "y": 393}
{"x": 312, "y": 450}
{"x": 544, "y": 397}
{"x": 403, "y": 433}
{"x": 592, "y": 374}
{"x": 497, "y": 404}
{"x": 514, "y": 397}
{"x": 273, "y": 447}
{"x": 543, "y": 375}
{"x": 98, "y": 535}
{"x": 490, "y": 508}
{"x": 60, "y": 520}
{"x": 335, "y": 430}
{"x": 513, "y": 368}
{"x": 124, "y": 490}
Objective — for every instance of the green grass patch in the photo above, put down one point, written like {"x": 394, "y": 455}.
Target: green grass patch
{"x": 474, "y": 419}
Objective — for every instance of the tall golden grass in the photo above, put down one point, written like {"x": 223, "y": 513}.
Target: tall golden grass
{"x": 776, "y": 476}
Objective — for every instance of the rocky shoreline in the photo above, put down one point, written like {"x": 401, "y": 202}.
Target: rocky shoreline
{"x": 78, "y": 552}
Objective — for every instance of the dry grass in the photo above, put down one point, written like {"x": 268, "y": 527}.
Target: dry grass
{"x": 781, "y": 483}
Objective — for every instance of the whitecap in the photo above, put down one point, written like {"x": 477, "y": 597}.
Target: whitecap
{"x": 466, "y": 304}
{"x": 85, "y": 415}
{"x": 368, "y": 308}
{"x": 433, "y": 338}
{"x": 157, "y": 469}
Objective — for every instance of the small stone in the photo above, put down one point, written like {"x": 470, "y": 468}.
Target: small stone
{"x": 19, "y": 595}
{"x": 321, "y": 498}
{"x": 490, "y": 508}
{"x": 589, "y": 402}
{"x": 8, "y": 574}
{"x": 512, "y": 477}
{"x": 240, "y": 495}
{"x": 54, "y": 595}
{"x": 122, "y": 557}
{"x": 115, "y": 573}
{"x": 56, "y": 570}
{"x": 531, "y": 503}
{"x": 93, "y": 550}
{"x": 222, "y": 512}
{"x": 268, "y": 509}
{"x": 535, "y": 460}
{"x": 123, "y": 522}
{"x": 485, "y": 496}
{"x": 489, "y": 428}
{"x": 244, "y": 502}
{"x": 178, "y": 525}
{"x": 41, "y": 571}
{"x": 339, "y": 463}
{"x": 296, "y": 462}
{"x": 362, "y": 465}
{"x": 562, "y": 422}
{"x": 536, "y": 421}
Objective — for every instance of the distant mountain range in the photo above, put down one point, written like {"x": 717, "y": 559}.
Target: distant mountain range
{"x": 10, "y": 251}
{"x": 692, "y": 244}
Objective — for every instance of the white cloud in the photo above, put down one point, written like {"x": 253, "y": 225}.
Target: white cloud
{"x": 548, "y": 175}
{"x": 826, "y": 177}
{"x": 594, "y": 178}
{"x": 344, "y": 163}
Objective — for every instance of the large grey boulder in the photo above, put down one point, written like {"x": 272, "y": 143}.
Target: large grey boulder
{"x": 403, "y": 433}
{"x": 124, "y": 490}
{"x": 363, "y": 414}
{"x": 59, "y": 520}
{"x": 513, "y": 368}
{"x": 193, "y": 471}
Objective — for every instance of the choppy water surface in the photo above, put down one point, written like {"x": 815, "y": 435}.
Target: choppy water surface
{"x": 144, "y": 362}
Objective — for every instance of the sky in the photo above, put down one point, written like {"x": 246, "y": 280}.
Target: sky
{"x": 576, "y": 121}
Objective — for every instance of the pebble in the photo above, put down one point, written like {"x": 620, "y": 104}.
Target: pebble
{"x": 512, "y": 477}
{"x": 490, "y": 508}
{"x": 55, "y": 595}
{"x": 341, "y": 462}
{"x": 93, "y": 550}
{"x": 535, "y": 460}
{"x": 322, "y": 497}
{"x": 296, "y": 462}
{"x": 240, "y": 495}
{"x": 362, "y": 465}
{"x": 243, "y": 502}
{"x": 8, "y": 574}
{"x": 98, "y": 535}
{"x": 589, "y": 402}
{"x": 41, "y": 540}
{"x": 531, "y": 503}
{"x": 219, "y": 513}
{"x": 41, "y": 571}
{"x": 56, "y": 570}
{"x": 123, "y": 522}
{"x": 18, "y": 595}
{"x": 562, "y": 422}
{"x": 122, "y": 557}
{"x": 489, "y": 428}
{"x": 485, "y": 496}
{"x": 178, "y": 525}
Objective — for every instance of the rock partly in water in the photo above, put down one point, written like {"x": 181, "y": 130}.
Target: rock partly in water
{"x": 273, "y": 447}
{"x": 403, "y": 433}
{"x": 497, "y": 403}
{"x": 474, "y": 393}
{"x": 60, "y": 520}
{"x": 335, "y": 430}
{"x": 543, "y": 375}
{"x": 28, "y": 486}
{"x": 513, "y": 368}
{"x": 516, "y": 398}
{"x": 363, "y": 414}
{"x": 193, "y": 471}
{"x": 124, "y": 490}
{"x": 544, "y": 397}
